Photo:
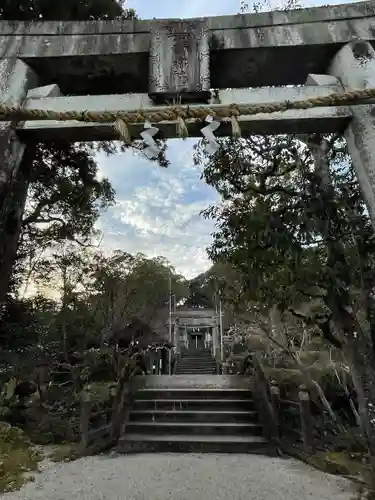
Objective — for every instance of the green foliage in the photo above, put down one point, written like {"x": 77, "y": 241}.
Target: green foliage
{"x": 124, "y": 286}
{"x": 278, "y": 225}
{"x": 221, "y": 281}
{"x": 53, "y": 429}
{"x": 99, "y": 363}
{"x": 96, "y": 293}
{"x": 66, "y": 452}
{"x": 293, "y": 222}
{"x": 17, "y": 457}
{"x": 28, "y": 335}
{"x": 18, "y": 329}
{"x": 65, "y": 195}
{"x": 199, "y": 295}
{"x": 77, "y": 10}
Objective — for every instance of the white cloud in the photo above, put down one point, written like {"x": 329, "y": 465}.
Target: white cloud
{"x": 158, "y": 210}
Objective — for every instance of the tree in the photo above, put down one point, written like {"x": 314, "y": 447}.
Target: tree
{"x": 125, "y": 286}
{"x": 64, "y": 197}
{"x": 198, "y": 295}
{"x": 66, "y": 272}
{"x": 77, "y": 10}
{"x": 99, "y": 294}
{"x": 294, "y": 223}
{"x": 221, "y": 282}
{"x": 57, "y": 184}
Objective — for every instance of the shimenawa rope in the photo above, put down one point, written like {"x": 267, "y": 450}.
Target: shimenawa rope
{"x": 178, "y": 113}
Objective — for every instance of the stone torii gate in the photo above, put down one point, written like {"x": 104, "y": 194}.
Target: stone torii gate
{"x": 80, "y": 71}
{"x": 186, "y": 319}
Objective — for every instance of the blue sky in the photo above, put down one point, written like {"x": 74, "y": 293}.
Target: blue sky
{"x": 148, "y": 9}
{"x": 157, "y": 210}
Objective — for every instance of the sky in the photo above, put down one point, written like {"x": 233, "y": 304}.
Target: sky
{"x": 158, "y": 210}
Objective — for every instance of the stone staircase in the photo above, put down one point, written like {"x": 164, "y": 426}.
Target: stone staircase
{"x": 196, "y": 362}
{"x": 194, "y": 413}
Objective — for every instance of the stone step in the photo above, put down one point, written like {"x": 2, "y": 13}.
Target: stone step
{"x": 194, "y": 393}
{"x": 195, "y": 353}
{"x": 199, "y": 428}
{"x": 196, "y": 365}
{"x": 197, "y": 361}
{"x": 194, "y": 381}
{"x": 189, "y": 363}
{"x": 235, "y": 416}
{"x": 191, "y": 371}
{"x": 167, "y": 443}
{"x": 194, "y": 404}
{"x": 193, "y": 365}
{"x": 196, "y": 358}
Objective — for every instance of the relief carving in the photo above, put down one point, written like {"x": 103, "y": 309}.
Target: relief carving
{"x": 179, "y": 61}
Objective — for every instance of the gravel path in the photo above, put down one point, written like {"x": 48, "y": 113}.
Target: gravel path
{"x": 183, "y": 477}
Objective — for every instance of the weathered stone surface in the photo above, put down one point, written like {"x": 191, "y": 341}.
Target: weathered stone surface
{"x": 193, "y": 382}
{"x": 179, "y": 61}
{"x": 354, "y": 65}
{"x": 52, "y": 90}
{"x": 195, "y": 317}
{"x": 15, "y": 80}
{"x": 305, "y": 121}
{"x": 318, "y": 120}
{"x": 313, "y": 79}
{"x": 112, "y": 57}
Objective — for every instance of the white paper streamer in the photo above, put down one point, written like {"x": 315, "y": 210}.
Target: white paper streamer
{"x": 147, "y": 135}
{"x": 208, "y": 133}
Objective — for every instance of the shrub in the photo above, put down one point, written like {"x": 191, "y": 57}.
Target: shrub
{"x": 17, "y": 457}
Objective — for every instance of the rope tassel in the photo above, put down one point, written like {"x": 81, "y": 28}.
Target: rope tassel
{"x": 236, "y": 129}
{"x": 182, "y": 130}
{"x": 123, "y": 129}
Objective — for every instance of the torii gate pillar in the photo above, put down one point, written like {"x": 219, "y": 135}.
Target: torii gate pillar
{"x": 16, "y": 79}
{"x": 354, "y": 65}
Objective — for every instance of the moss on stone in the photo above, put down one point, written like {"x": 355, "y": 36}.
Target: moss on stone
{"x": 17, "y": 458}
{"x": 66, "y": 452}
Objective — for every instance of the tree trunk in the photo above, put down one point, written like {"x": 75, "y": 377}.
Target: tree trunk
{"x": 11, "y": 212}
{"x": 361, "y": 360}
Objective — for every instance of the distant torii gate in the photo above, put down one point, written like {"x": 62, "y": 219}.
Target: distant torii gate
{"x": 188, "y": 319}
{"x": 83, "y": 73}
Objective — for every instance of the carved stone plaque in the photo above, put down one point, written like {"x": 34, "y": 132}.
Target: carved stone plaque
{"x": 179, "y": 61}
